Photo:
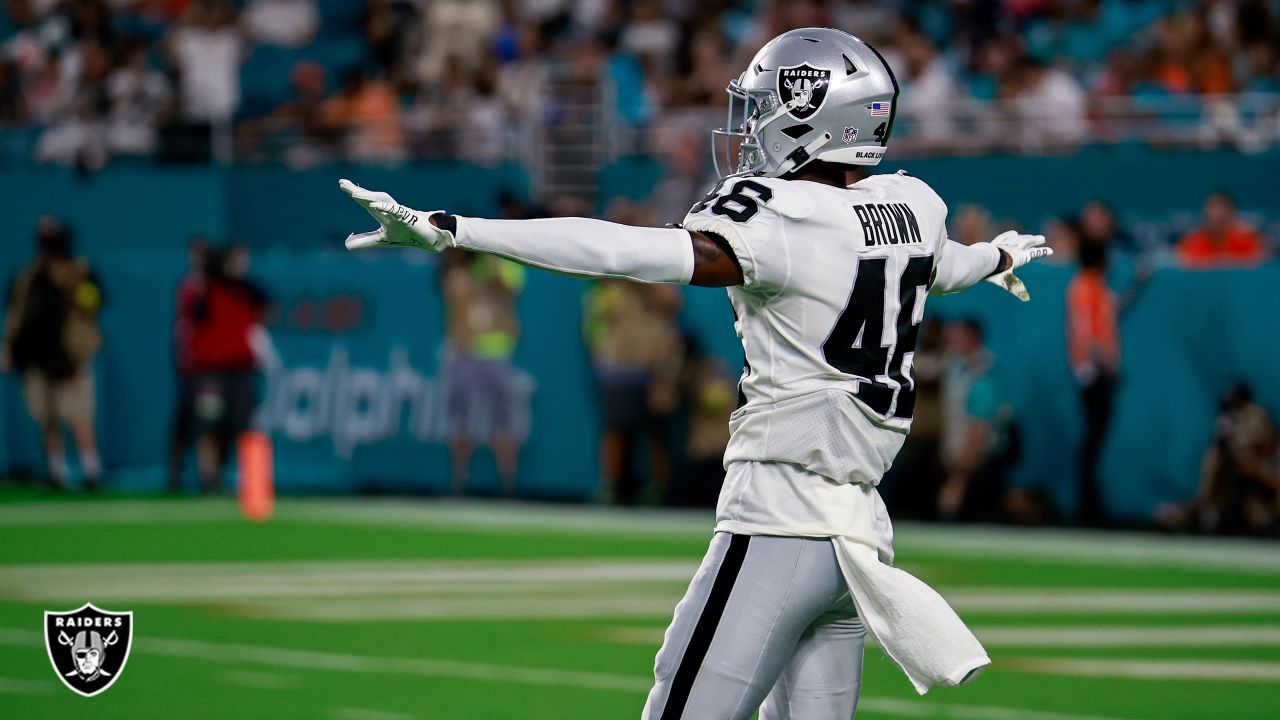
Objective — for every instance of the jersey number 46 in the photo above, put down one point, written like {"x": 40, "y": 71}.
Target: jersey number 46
{"x": 855, "y": 345}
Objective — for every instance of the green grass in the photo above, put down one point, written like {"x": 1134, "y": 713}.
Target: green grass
{"x": 387, "y": 610}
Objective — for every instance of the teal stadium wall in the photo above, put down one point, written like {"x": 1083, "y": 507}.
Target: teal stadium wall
{"x": 359, "y": 405}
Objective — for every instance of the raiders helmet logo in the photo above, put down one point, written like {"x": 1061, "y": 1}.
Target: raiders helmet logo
{"x": 803, "y": 89}
{"x": 88, "y": 647}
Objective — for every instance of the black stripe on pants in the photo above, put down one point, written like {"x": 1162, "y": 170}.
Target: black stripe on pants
{"x": 705, "y": 630}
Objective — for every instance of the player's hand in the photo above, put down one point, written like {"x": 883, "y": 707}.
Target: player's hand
{"x": 1021, "y": 249}
{"x": 398, "y": 226}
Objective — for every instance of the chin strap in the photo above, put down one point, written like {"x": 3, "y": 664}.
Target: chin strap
{"x": 802, "y": 154}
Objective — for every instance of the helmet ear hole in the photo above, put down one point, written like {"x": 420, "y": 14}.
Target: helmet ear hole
{"x": 796, "y": 131}
{"x": 849, "y": 68}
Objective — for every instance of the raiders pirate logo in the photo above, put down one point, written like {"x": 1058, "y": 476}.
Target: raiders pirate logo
{"x": 88, "y": 647}
{"x": 803, "y": 89}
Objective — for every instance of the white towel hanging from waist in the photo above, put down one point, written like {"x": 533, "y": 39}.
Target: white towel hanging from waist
{"x": 912, "y": 623}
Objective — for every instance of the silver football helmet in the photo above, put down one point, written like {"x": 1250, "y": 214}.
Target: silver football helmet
{"x": 809, "y": 93}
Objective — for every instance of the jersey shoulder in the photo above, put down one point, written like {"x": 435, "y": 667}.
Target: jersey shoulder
{"x": 910, "y": 187}
{"x": 751, "y": 214}
{"x": 747, "y": 199}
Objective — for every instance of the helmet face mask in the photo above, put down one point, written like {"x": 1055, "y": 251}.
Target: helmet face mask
{"x": 735, "y": 148}
{"x": 813, "y": 93}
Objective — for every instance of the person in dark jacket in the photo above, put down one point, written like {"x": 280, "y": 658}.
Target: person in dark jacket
{"x": 51, "y": 336}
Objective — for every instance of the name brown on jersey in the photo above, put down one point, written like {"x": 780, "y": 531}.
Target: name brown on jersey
{"x": 888, "y": 224}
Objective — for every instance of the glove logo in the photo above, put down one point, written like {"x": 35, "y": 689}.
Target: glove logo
{"x": 406, "y": 215}
{"x": 88, "y": 647}
{"x": 803, "y": 89}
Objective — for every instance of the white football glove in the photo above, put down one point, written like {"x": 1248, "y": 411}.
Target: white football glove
{"x": 1022, "y": 249}
{"x": 398, "y": 226}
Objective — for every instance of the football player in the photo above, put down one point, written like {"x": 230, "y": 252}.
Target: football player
{"x": 828, "y": 282}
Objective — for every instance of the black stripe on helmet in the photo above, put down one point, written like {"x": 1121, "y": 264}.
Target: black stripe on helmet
{"x": 893, "y": 104}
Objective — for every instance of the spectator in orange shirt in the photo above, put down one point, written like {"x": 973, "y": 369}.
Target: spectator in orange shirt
{"x": 366, "y": 114}
{"x": 1093, "y": 349}
{"x": 1222, "y": 240}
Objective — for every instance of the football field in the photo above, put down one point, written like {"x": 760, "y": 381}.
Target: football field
{"x": 343, "y": 609}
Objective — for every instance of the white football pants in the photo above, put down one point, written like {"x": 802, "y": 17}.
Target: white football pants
{"x": 767, "y": 624}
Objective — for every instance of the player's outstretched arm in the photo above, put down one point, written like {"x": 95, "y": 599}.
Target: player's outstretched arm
{"x": 962, "y": 266}
{"x": 575, "y": 246}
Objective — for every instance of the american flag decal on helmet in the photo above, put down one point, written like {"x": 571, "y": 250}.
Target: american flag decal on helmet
{"x": 878, "y": 109}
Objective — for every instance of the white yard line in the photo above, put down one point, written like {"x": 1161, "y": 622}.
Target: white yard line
{"x": 118, "y": 512}
{"x": 362, "y": 664}
{"x": 490, "y": 516}
{"x": 635, "y": 606}
{"x": 1079, "y": 547}
{"x": 911, "y": 708}
{"x": 1085, "y": 547}
{"x": 340, "y": 662}
{"x": 1071, "y": 546}
{"x": 391, "y": 589}
{"x": 1131, "y": 636}
{"x": 506, "y": 517}
{"x": 16, "y": 686}
{"x": 1089, "y": 601}
{"x": 1194, "y": 670}
{"x": 1059, "y": 637}
{"x": 227, "y": 581}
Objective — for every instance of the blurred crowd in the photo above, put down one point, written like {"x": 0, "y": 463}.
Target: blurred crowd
{"x": 389, "y": 80}
{"x": 958, "y": 462}
{"x": 964, "y": 444}
{"x": 663, "y": 400}
{"x": 52, "y": 336}
{"x": 1221, "y": 237}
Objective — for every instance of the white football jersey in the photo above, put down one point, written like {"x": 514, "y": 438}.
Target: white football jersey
{"x": 834, "y": 290}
